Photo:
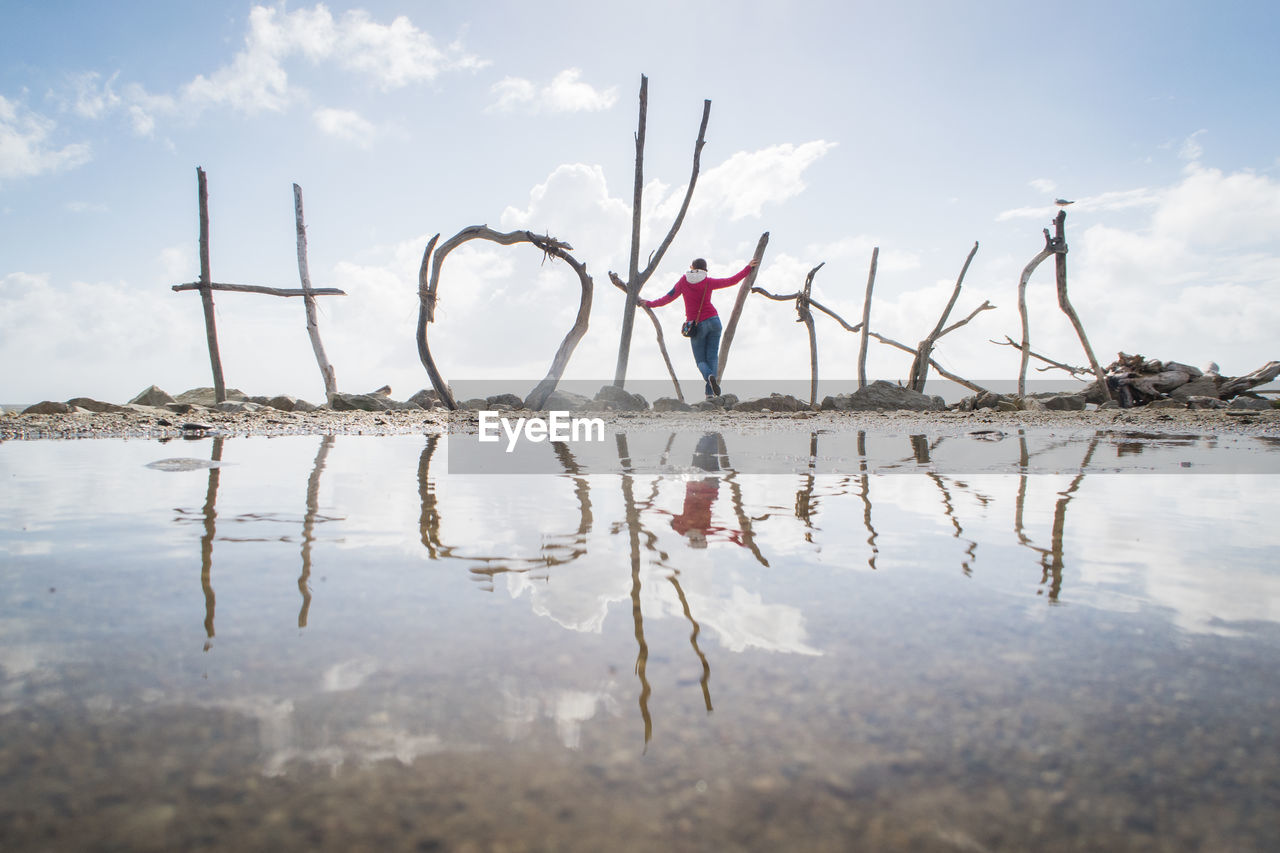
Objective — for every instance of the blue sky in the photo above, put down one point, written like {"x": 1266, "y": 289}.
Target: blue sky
{"x": 915, "y": 127}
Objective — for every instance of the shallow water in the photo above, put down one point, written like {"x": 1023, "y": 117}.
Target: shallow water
{"x": 781, "y": 641}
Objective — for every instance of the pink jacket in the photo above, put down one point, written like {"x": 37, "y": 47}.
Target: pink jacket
{"x": 693, "y": 292}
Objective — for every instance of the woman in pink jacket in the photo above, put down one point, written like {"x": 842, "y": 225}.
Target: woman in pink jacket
{"x": 695, "y": 286}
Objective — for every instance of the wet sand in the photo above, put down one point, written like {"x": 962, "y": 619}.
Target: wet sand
{"x": 164, "y": 425}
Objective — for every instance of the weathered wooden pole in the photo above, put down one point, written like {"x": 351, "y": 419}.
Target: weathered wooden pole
{"x": 636, "y": 277}
{"x": 743, "y": 290}
{"x": 1060, "y": 264}
{"x": 1022, "y": 310}
{"x": 206, "y": 292}
{"x": 309, "y": 300}
{"x": 866, "y": 320}
{"x": 633, "y": 265}
{"x": 806, "y": 317}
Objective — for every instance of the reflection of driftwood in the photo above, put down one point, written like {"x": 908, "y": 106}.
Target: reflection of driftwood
{"x": 1055, "y": 245}
{"x": 636, "y": 277}
{"x": 1051, "y": 558}
{"x": 206, "y": 541}
{"x": 309, "y": 300}
{"x": 865, "y": 493}
{"x": 920, "y": 366}
{"x": 427, "y": 302}
{"x": 657, "y": 330}
{"x": 865, "y": 325}
{"x": 637, "y": 617}
{"x": 739, "y": 301}
{"x": 309, "y": 526}
{"x": 693, "y": 641}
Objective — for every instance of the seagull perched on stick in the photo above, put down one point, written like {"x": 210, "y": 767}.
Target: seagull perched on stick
{"x": 1062, "y": 202}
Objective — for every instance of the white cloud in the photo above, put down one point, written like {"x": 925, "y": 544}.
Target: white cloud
{"x": 1191, "y": 149}
{"x": 749, "y": 180}
{"x": 1113, "y": 200}
{"x": 24, "y": 144}
{"x": 566, "y": 93}
{"x": 346, "y": 125}
{"x": 1203, "y": 271}
{"x": 257, "y": 79}
{"x": 1043, "y": 185}
{"x": 393, "y": 55}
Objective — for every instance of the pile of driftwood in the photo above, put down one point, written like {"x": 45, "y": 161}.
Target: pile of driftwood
{"x": 1136, "y": 381}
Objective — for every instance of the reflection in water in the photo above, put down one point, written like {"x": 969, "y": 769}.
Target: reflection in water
{"x": 206, "y": 541}
{"x": 864, "y": 480}
{"x": 742, "y": 620}
{"x": 209, "y": 515}
{"x": 309, "y": 527}
{"x": 940, "y": 708}
{"x": 1051, "y": 559}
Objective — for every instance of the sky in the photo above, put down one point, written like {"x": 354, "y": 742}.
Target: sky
{"x": 915, "y": 127}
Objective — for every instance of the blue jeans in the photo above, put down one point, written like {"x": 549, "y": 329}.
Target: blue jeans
{"x": 706, "y": 349}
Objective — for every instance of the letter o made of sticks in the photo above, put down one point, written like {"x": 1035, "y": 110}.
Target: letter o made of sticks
{"x": 429, "y": 284}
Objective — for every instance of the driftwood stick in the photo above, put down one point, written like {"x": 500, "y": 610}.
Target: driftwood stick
{"x": 656, "y": 257}
{"x": 426, "y": 313}
{"x": 633, "y": 266}
{"x": 985, "y": 306}
{"x": 806, "y": 317}
{"x": 1074, "y": 371}
{"x": 959, "y": 380}
{"x": 309, "y": 301}
{"x": 1060, "y": 240}
{"x": 662, "y": 343}
{"x": 1022, "y": 310}
{"x": 866, "y": 320}
{"x": 205, "y": 287}
{"x": 813, "y": 303}
{"x": 739, "y": 301}
{"x": 920, "y": 365}
{"x": 256, "y": 288}
{"x": 1240, "y": 384}
{"x": 550, "y": 246}
{"x": 637, "y": 278}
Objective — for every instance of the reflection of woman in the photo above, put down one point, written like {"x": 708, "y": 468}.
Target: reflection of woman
{"x": 695, "y": 286}
{"x": 694, "y": 520}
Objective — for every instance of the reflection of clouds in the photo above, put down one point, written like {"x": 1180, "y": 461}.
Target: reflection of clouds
{"x": 347, "y": 675}
{"x": 577, "y": 598}
{"x": 1161, "y": 539}
{"x": 282, "y": 740}
{"x": 568, "y": 708}
{"x": 743, "y": 620}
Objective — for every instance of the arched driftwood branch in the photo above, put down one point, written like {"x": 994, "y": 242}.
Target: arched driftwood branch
{"x": 657, "y": 329}
{"x": 427, "y": 298}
